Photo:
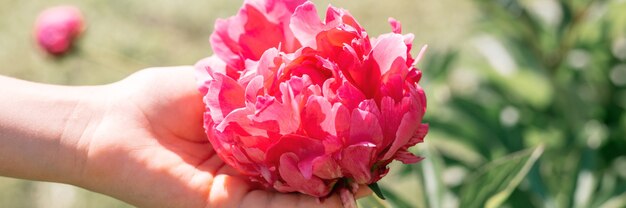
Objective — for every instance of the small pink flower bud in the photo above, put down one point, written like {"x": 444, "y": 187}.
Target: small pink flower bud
{"x": 56, "y": 28}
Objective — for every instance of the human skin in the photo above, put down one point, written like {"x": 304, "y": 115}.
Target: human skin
{"x": 139, "y": 140}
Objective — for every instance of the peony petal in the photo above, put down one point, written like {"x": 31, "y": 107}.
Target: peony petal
{"x": 236, "y": 39}
{"x": 419, "y": 135}
{"x": 364, "y": 75}
{"x": 348, "y": 60}
{"x": 223, "y": 147}
{"x": 306, "y": 168}
{"x": 408, "y": 41}
{"x": 210, "y": 65}
{"x": 337, "y": 16}
{"x": 223, "y": 40}
{"x": 253, "y": 89}
{"x": 370, "y": 105}
{"x": 308, "y": 66}
{"x": 356, "y": 162}
{"x": 390, "y": 120}
{"x": 387, "y": 49}
{"x": 317, "y": 118}
{"x": 398, "y": 68}
{"x": 205, "y": 69}
{"x": 299, "y": 84}
{"x": 237, "y": 125}
{"x": 364, "y": 128}
{"x": 304, "y": 147}
{"x": 408, "y": 126}
{"x": 282, "y": 117}
{"x": 268, "y": 175}
{"x": 333, "y": 14}
{"x": 396, "y": 27}
{"x": 421, "y": 96}
{"x": 276, "y": 10}
{"x": 268, "y": 67}
{"x": 283, "y": 187}
{"x": 287, "y": 6}
{"x": 328, "y": 91}
{"x": 255, "y": 154}
{"x": 289, "y": 172}
{"x": 223, "y": 96}
{"x": 326, "y": 167}
{"x": 305, "y": 24}
{"x": 407, "y": 157}
{"x": 393, "y": 87}
{"x": 240, "y": 155}
{"x": 342, "y": 121}
{"x": 403, "y": 154}
{"x": 349, "y": 95}
{"x": 414, "y": 75}
{"x": 420, "y": 54}
{"x": 258, "y": 27}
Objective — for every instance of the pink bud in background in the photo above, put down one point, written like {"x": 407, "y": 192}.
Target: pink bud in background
{"x": 57, "y": 27}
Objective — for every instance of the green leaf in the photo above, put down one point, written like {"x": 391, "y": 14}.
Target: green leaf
{"x": 617, "y": 201}
{"x": 491, "y": 185}
{"x": 376, "y": 190}
{"x": 431, "y": 169}
{"x": 397, "y": 201}
{"x": 372, "y": 201}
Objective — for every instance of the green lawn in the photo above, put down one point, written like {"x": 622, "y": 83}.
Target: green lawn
{"x": 125, "y": 36}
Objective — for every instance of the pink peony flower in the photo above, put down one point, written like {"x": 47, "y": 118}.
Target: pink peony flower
{"x": 304, "y": 105}
{"x": 57, "y": 27}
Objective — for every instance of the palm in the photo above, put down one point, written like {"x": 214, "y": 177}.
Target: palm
{"x": 161, "y": 157}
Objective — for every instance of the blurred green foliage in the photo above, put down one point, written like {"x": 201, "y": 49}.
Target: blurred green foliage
{"x": 503, "y": 78}
{"x": 535, "y": 73}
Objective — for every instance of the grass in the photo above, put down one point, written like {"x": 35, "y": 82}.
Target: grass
{"x": 125, "y": 36}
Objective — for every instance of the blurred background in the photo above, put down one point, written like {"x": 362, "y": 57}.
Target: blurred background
{"x": 526, "y": 98}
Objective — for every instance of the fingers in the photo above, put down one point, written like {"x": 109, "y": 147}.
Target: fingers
{"x": 257, "y": 198}
{"x": 232, "y": 191}
{"x": 362, "y": 192}
{"x": 227, "y": 191}
{"x": 271, "y": 199}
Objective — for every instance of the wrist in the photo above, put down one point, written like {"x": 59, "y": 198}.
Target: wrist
{"x": 98, "y": 117}
{"x": 42, "y": 129}
{"x": 82, "y": 123}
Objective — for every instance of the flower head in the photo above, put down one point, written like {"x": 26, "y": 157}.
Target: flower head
{"x": 300, "y": 104}
{"x": 57, "y": 27}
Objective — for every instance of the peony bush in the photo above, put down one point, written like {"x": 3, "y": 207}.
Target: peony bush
{"x": 304, "y": 105}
